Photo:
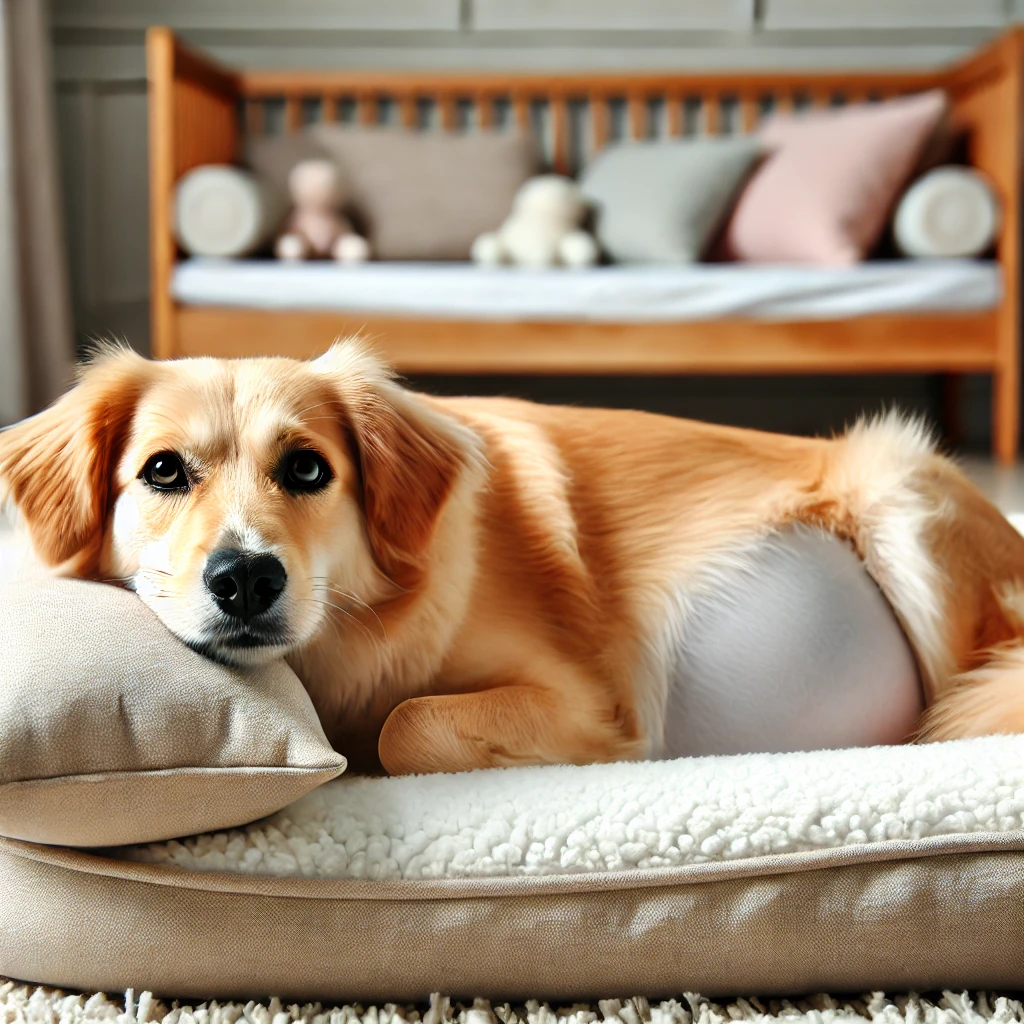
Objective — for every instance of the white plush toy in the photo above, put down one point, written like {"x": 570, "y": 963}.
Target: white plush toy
{"x": 543, "y": 228}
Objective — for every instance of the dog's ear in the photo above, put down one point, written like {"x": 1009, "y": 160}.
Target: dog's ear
{"x": 57, "y": 467}
{"x": 410, "y": 455}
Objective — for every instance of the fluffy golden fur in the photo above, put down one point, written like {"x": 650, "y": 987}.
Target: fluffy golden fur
{"x": 489, "y": 582}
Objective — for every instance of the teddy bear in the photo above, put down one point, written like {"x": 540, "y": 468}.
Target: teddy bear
{"x": 543, "y": 228}
{"x": 315, "y": 227}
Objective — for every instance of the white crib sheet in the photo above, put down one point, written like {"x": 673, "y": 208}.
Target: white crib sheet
{"x": 615, "y": 294}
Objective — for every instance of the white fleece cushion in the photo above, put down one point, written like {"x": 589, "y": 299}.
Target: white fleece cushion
{"x": 563, "y": 820}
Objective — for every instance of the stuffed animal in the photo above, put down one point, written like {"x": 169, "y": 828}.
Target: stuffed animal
{"x": 316, "y": 228}
{"x": 543, "y": 228}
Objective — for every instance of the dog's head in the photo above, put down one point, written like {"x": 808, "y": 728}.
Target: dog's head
{"x": 244, "y": 500}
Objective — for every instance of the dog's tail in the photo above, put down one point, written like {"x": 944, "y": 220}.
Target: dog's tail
{"x": 986, "y": 700}
{"x": 951, "y": 567}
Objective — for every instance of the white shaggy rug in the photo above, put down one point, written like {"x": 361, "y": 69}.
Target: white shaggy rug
{"x": 570, "y": 820}
{"x": 20, "y": 1004}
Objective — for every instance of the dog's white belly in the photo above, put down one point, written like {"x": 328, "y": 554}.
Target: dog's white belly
{"x": 793, "y": 648}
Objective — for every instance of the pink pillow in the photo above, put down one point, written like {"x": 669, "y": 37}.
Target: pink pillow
{"x": 824, "y": 194}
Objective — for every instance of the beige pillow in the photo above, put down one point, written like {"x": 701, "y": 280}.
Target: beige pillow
{"x": 427, "y": 195}
{"x": 112, "y": 731}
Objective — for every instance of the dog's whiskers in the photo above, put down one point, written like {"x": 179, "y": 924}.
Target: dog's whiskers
{"x": 130, "y": 578}
{"x": 324, "y": 583}
{"x": 331, "y": 606}
{"x": 390, "y": 581}
{"x": 317, "y": 405}
{"x": 359, "y": 602}
{"x": 315, "y": 419}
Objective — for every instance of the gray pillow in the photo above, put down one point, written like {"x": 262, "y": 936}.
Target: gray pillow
{"x": 663, "y": 202}
{"x": 113, "y": 731}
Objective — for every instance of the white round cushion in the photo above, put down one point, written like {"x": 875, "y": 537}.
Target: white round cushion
{"x": 225, "y": 211}
{"x": 951, "y": 211}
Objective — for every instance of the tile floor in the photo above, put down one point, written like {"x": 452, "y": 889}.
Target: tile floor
{"x": 1003, "y": 487}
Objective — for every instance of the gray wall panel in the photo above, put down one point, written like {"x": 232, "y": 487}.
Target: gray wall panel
{"x": 533, "y": 15}
{"x": 270, "y": 15}
{"x": 843, "y": 14}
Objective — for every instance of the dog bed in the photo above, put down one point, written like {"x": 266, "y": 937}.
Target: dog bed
{"x": 851, "y": 870}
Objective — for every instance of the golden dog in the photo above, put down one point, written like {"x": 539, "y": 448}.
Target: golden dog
{"x": 483, "y": 582}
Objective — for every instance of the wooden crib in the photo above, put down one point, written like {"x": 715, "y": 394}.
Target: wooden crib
{"x": 200, "y": 110}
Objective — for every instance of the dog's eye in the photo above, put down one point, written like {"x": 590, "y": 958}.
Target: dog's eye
{"x": 164, "y": 472}
{"x": 306, "y": 471}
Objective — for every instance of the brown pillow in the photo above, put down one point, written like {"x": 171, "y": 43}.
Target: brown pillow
{"x": 273, "y": 156}
{"x": 427, "y": 195}
{"x": 113, "y": 731}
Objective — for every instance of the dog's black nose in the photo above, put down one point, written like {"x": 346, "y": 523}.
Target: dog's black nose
{"x": 244, "y": 585}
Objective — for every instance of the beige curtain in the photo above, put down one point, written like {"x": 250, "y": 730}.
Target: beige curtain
{"x": 36, "y": 334}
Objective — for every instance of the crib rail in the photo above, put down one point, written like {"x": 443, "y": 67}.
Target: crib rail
{"x": 572, "y": 116}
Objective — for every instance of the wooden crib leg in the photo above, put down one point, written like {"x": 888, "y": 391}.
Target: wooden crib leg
{"x": 1005, "y": 414}
{"x": 951, "y": 408}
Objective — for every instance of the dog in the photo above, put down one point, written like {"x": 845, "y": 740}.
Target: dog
{"x": 465, "y": 583}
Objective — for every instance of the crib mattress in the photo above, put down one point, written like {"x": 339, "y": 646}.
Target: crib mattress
{"x": 880, "y": 868}
{"x": 615, "y": 294}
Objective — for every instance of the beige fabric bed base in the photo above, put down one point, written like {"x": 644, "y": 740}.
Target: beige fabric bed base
{"x": 903, "y": 915}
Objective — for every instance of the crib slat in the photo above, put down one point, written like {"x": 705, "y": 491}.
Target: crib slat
{"x": 292, "y": 114}
{"x": 407, "y": 111}
{"x": 329, "y": 109}
{"x": 674, "y": 114}
{"x": 712, "y": 115}
{"x": 748, "y": 114}
{"x": 254, "y": 120}
{"x": 599, "y": 120}
{"x": 637, "y": 116}
{"x": 446, "y": 104}
{"x": 559, "y": 135}
{"x": 366, "y": 109}
{"x": 485, "y": 111}
{"x": 521, "y": 110}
